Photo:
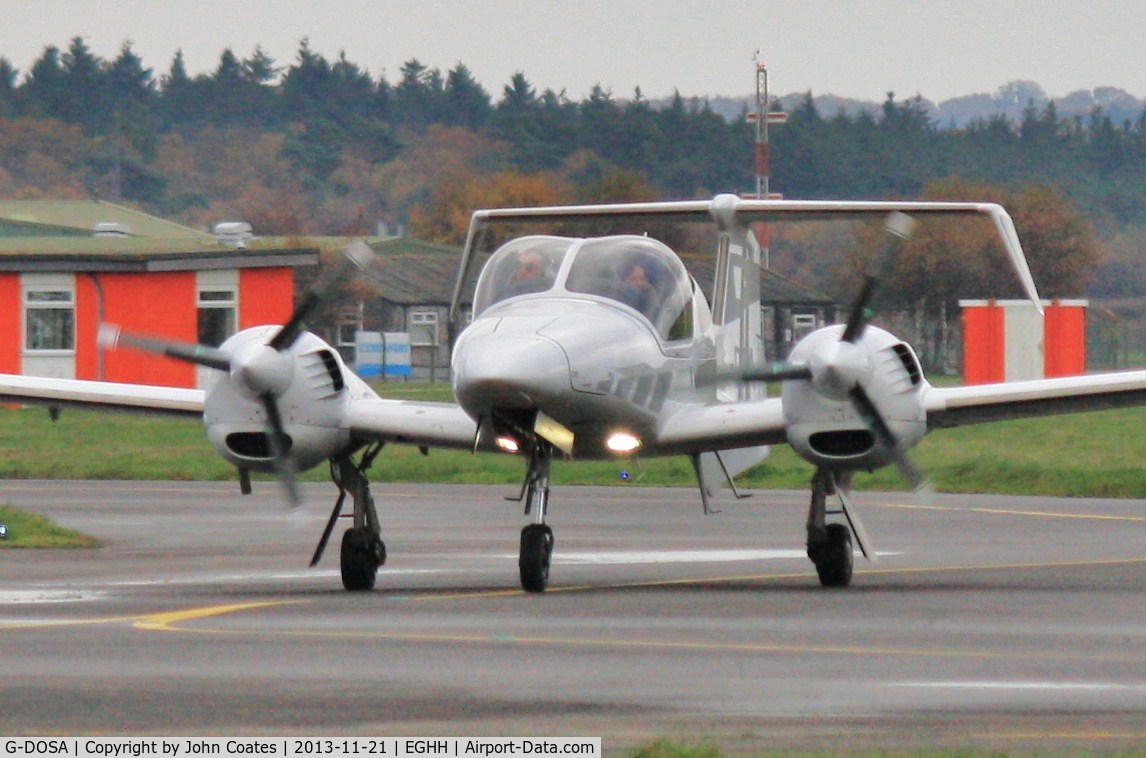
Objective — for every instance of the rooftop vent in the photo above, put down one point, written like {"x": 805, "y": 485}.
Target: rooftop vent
{"x": 112, "y": 229}
{"x": 233, "y": 233}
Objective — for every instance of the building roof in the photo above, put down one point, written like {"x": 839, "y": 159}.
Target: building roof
{"x": 71, "y": 236}
{"x": 80, "y": 216}
{"x": 153, "y": 259}
{"x": 411, "y": 272}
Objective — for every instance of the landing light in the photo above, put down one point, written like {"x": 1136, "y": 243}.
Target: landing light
{"x": 622, "y": 442}
{"x": 508, "y": 444}
{"x": 3, "y": 531}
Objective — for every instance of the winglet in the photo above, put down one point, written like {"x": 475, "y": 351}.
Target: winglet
{"x": 1014, "y": 248}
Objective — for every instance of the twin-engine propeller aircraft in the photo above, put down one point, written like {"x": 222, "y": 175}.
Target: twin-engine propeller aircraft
{"x": 598, "y": 348}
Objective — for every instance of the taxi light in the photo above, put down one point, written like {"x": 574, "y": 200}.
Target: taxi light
{"x": 508, "y": 444}
{"x": 622, "y": 442}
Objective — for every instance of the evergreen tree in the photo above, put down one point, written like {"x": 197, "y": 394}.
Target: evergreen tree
{"x": 418, "y": 96}
{"x": 45, "y": 89}
{"x": 180, "y": 95}
{"x": 466, "y": 103}
{"x": 88, "y": 100}
{"x": 8, "y": 74}
{"x": 259, "y": 73}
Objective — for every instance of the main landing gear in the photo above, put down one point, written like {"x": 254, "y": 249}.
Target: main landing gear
{"x": 362, "y": 548}
{"x": 830, "y": 545}
{"x": 536, "y": 538}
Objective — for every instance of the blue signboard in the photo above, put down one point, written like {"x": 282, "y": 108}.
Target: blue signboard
{"x": 382, "y": 354}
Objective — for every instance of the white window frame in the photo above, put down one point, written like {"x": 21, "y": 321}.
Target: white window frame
{"x": 803, "y": 324}
{"x": 422, "y": 323}
{"x": 61, "y": 289}
{"x": 218, "y": 290}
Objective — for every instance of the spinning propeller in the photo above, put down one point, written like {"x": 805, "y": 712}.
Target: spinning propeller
{"x": 839, "y": 371}
{"x": 259, "y": 371}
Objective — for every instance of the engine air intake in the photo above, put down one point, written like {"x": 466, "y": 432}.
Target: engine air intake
{"x": 254, "y": 444}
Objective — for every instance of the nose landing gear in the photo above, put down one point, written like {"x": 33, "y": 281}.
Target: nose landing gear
{"x": 362, "y": 548}
{"x": 536, "y": 538}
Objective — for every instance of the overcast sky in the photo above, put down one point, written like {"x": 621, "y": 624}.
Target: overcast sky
{"x": 856, "y": 48}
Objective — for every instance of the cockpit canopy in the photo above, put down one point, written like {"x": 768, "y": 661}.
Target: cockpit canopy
{"x": 637, "y": 272}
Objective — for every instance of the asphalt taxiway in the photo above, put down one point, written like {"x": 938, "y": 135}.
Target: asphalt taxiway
{"x": 989, "y": 622}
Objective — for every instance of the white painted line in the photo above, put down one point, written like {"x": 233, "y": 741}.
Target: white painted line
{"x": 268, "y": 577}
{"x": 24, "y": 597}
{"x": 1050, "y": 686}
{"x": 671, "y": 556}
{"x": 674, "y": 556}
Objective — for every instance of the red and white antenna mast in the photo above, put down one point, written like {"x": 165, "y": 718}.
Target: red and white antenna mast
{"x": 762, "y": 117}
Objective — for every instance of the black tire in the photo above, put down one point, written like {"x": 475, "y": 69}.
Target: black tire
{"x": 834, "y": 557}
{"x": 362, "y": 554}
{"x": 536, "y": 552}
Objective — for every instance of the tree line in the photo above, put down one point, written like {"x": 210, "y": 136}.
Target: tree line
{"x": 321, "y": 146}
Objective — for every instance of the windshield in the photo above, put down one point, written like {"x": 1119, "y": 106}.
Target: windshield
{"x": 639, "y": 272}
{"x": 520, "y": 267}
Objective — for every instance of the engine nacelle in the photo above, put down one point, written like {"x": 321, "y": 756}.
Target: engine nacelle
{"x": 826, "y": 428}
{"x": 313, "y": 405}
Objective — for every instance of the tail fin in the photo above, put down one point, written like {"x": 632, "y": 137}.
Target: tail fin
{"x": 736, "y": 312}
{"x": 736, "y": 303}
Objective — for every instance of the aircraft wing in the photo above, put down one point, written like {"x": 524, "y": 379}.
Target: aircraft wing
{"x": 108, "y": 396}
{"x": 419, "y": 423}
{"x": 729, "y": 210}
{"x": 956, "y": 406}
{"x": 413, "y": 422}
{"x": 723, "y": 426}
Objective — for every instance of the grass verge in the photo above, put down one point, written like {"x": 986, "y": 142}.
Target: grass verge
{"x": 1084, "y": 455}
{"x": 28, "y": 530}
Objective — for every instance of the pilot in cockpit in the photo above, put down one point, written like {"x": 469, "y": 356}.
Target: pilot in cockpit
{"x": 529, "y": 275}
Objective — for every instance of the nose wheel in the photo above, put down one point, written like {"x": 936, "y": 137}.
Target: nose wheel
{"x": 833, "y": 556}
{"x": 362, "y": 553}
{"x": 829, "y": 545}
{"x": 536, "y": 553}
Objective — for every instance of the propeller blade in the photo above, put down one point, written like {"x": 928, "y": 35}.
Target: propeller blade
{"x": 899, "y": 227}
{"x": 290, "y": 331}
{"x": 885, "y": 437}
{"x": 280, "y": 450}
{"x": 110, "y": 336}
{"x": 356, "y": 256}
{"x": 860, "y": 313}
{"x": 778, "y": 373}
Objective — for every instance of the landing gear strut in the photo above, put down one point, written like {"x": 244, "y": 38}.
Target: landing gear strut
{"x": 829, "y": 545}
{"x": 362, "y": 548}
{"x": 536, "y": 538}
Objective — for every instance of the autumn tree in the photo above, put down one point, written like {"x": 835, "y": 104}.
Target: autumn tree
{"x": 962, "y": 258}
{"x": 446, "y": 216}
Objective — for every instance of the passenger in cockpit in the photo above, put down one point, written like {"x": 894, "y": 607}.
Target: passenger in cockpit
{"x": 636, "y": 286}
